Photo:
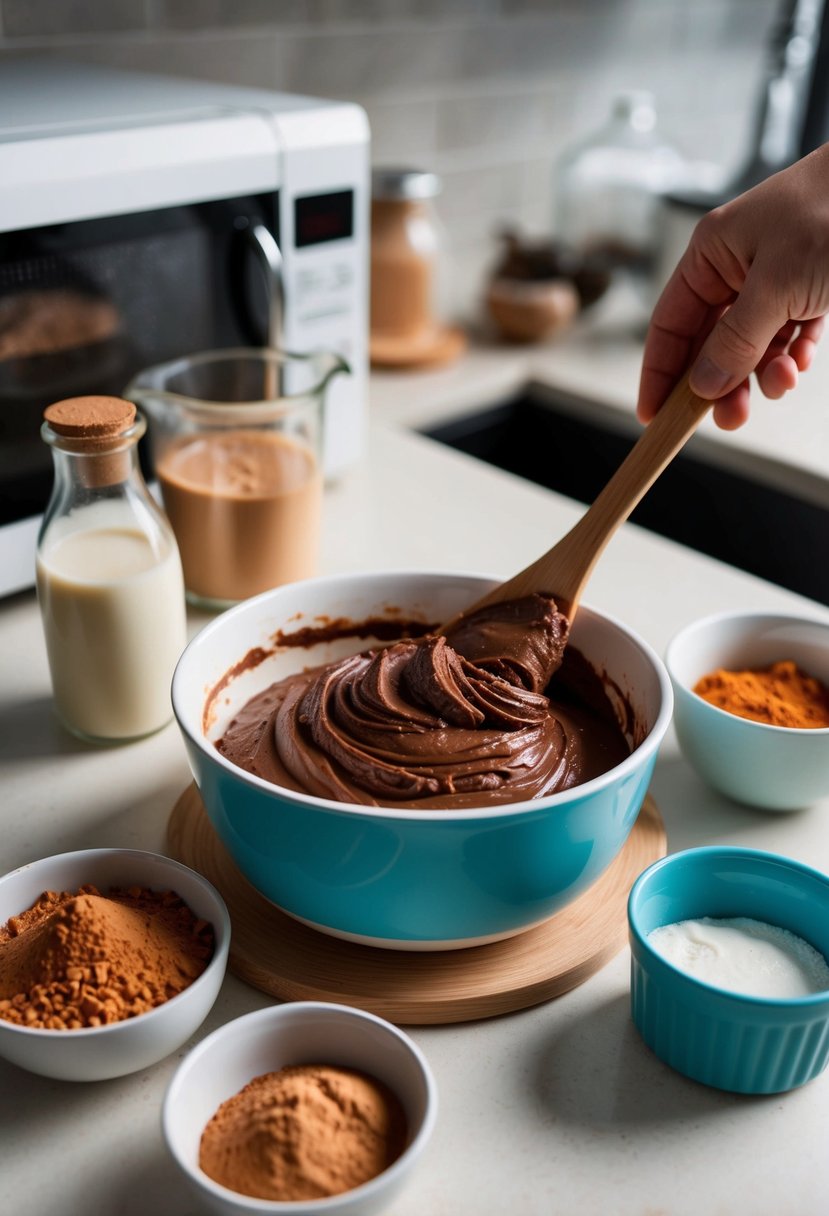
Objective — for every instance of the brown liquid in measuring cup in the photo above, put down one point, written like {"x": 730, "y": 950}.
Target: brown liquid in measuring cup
{"x": 245, "y": 507}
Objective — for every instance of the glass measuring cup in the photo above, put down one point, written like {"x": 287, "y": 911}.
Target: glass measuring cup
{"x": 236, "y": 441}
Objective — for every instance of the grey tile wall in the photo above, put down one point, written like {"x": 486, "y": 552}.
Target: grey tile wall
{"x": 44, "y": 18}
{"x": 486, "y": 92}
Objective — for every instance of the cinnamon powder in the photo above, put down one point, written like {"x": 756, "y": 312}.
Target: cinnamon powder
{"x": 779, "y": 695}
{"x": 304, "y": 1132}
{"x": 82, "y": 959}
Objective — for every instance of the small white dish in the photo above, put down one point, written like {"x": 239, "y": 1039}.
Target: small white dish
{"x": 771, "y": 767}
{"x": 98, "y": 1053}
{"x": 303, "y": 1032}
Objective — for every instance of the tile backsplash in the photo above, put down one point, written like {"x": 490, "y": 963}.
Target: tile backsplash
{"x": 485, "y": 92}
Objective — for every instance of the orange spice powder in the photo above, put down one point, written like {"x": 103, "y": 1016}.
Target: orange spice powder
{"x": 779, "y": 695}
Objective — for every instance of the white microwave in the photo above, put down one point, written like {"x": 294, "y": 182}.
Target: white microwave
{"x": 145, "y": 217}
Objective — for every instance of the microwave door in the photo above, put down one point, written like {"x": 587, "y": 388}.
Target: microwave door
{"x": 87, "y": 305}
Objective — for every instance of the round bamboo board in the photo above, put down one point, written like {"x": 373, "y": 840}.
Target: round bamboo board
{"x": 291, "y": 961}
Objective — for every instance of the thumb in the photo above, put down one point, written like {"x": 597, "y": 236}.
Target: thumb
{"x": 737, "y": 342}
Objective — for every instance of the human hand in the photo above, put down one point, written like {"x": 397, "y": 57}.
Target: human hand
{"x": 748, "y": 295}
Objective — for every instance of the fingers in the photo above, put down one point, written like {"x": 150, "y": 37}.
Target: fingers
{"x": 748, "y": 295}
{"x": 777, "y": 377}
{"x": 655, "y": 383}
{"x": 789, "y": 352}
{"x": 731, "y": 411}
{"x": 802, "y": 347}
{"x": 738, "y": 341}
{"x": 680, "y": 321}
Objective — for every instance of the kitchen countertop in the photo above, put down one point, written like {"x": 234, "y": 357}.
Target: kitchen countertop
{"x": 555, "y": 1110}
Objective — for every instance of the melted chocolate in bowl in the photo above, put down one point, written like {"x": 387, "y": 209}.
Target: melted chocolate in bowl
{"x": 500, "y": 710}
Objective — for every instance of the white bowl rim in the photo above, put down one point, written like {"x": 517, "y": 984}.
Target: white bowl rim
{"x": 726, "y": 852}
{"x": 574, "y": 793}
{"x": 749, "y": 616}
{"x": 328, "y": 1203}
{"x": 220, "y": 950}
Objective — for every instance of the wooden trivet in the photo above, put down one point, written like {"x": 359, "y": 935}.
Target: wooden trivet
{"x": 291, "y": 961}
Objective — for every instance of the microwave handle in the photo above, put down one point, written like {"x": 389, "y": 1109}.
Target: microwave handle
{"x": 269, "y": 257}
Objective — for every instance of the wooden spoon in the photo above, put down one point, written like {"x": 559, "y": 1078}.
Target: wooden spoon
{"x": 563, "y": 571}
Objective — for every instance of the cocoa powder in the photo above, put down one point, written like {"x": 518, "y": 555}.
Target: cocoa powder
{"x": 80, "y": 959}
{"x": 304, "y": 1132}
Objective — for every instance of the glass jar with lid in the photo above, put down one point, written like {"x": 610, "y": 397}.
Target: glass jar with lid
{"x": 609, "y": 187}
{"x": 408, "y": 252}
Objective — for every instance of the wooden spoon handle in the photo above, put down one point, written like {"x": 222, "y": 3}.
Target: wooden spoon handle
{"x": 564, "y": 570}
{"x": 656, "y": 447}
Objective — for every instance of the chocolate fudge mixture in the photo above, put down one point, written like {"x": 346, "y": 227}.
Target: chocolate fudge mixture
{"x": 465, "y": 720}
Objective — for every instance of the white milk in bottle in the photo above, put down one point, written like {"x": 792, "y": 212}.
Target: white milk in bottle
{"x": 109, "y": 578}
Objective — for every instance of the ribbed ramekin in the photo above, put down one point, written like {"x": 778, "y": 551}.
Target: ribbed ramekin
{"x": 745, "y": 1044}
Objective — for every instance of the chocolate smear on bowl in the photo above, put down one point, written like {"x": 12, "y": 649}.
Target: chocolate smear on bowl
{"x": 384, "y": 629}
{"x": 327, "y": 629}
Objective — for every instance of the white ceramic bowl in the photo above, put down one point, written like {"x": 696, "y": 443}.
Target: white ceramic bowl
{"x": 772, "y": 767}
{"x": 100, "y": 1052}
{"x": 408, "y": 878}
{"x": 305, "y": 1032}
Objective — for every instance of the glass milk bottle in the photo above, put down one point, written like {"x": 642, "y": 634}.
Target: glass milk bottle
{"x": 109, "y": 578}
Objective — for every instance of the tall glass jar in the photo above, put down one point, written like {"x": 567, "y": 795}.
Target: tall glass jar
{"x": 406, "y": 246}
{"x": 109, "y": 580}
{"x": 609, "y": 187}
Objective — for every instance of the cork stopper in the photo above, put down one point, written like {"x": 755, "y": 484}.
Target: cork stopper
{"x": 90, "y": 428}
{"x": 90, "y": 417}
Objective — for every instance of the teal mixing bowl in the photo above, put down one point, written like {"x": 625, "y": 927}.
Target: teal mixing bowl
{"x": 408, "y": 879}
{"x": 746, "y": 1044}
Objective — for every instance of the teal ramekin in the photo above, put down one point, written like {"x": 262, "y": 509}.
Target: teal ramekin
{"x": 744, "y": 1044}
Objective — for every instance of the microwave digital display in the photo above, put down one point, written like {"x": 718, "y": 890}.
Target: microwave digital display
{"x": 323, "y": 217}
